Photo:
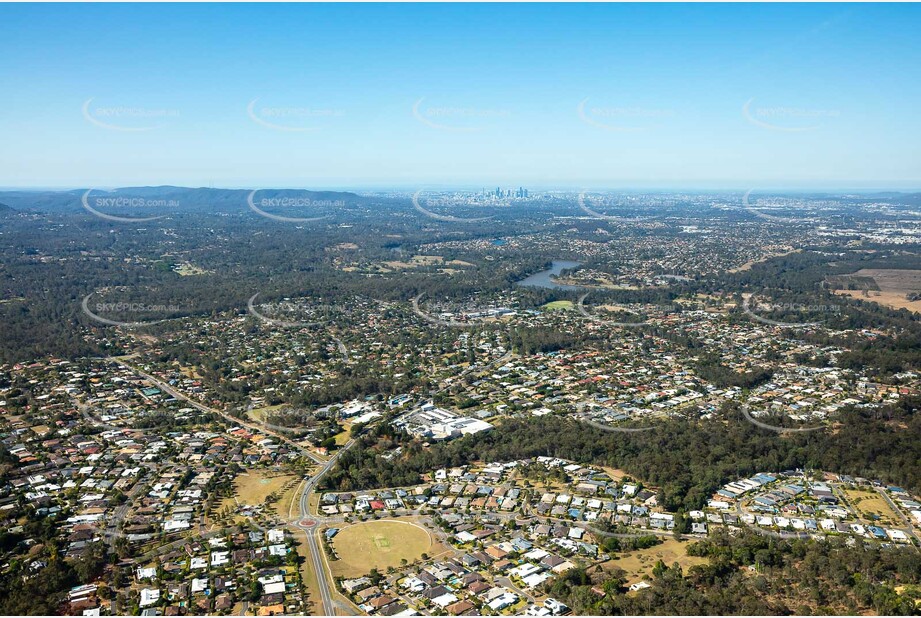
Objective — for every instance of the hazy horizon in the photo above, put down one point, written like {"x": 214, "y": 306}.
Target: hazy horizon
{"x": 870, "y": 190}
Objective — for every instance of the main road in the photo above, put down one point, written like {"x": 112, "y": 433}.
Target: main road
{"x": 307, "y": 522}
{"x": 311, "y": 531}
{"x": 166, "y": 388}
{"x": 308, "y": 525}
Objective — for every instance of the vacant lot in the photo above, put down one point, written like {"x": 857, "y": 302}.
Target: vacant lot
{"x": 259, "y": 414}
{"x": 765, "y": 258}
{"x": 253, "y": 488}
{"x": 615, "y": 473}
{"x": 415, "y": 262}
{"x": 872, "y": 506}
{"x": 639, "y": 563}
{"x": 343, "y": 436}
{"x": 380, "y": 544}
{"x": 288, "y": 505}
{"x": 186, "y": 269}
{"x": 893, "y": 286}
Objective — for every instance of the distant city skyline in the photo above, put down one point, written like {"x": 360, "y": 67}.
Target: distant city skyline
{"x": 400, "y": 97}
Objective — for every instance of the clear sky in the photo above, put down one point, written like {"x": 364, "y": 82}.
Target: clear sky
{"x": 380, "y": 95}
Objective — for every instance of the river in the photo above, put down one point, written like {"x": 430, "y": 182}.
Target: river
{"x": 544, "y": 279}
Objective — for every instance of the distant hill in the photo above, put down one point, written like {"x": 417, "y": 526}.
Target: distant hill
{"x": 177, "y": 199}
{"x": 910, "y": 199}
{"x": 6, "y": 210}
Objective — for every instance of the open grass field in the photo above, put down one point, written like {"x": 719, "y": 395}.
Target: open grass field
{"x": 558, "y": 305}
{"x": 894, "y": 300}
{"x": 259, "y": 414}
{"x": 871, "y": 506}
{"x": 288, "y": 505}
{"x": 253, "y": 488}
{"x": 639, "y": 563}
{"x": 190, "y": 372}
{"x": 380, "y": 544}
{"x": 343, "y": 436}
{"x": 894, "y": 285}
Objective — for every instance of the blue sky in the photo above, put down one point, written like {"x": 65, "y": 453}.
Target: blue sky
{"x": 377, "y": 95}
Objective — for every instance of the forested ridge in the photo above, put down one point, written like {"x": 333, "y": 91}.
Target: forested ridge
{"x": 688, "y": 459}
{"x": 756, "y": 575}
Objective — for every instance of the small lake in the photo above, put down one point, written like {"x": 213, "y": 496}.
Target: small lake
{"x": 544, "y": 279}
